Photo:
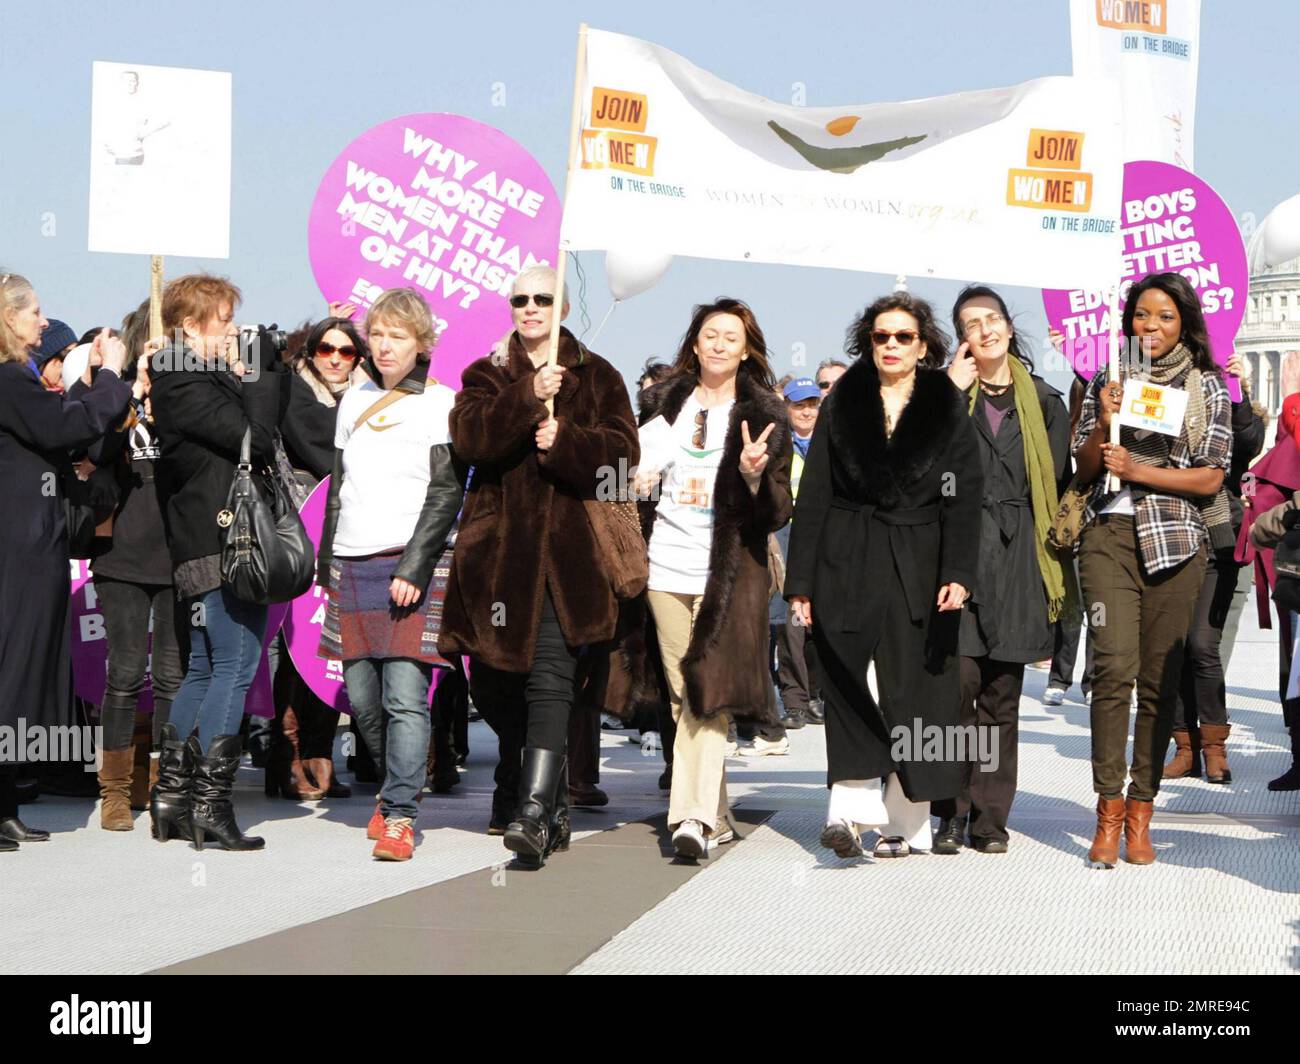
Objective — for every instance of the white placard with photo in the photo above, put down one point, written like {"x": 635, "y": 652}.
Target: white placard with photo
{"x": 160, "y": 160}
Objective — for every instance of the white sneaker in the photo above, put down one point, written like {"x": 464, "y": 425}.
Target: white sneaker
{"x": 689, "y": 840}
{"x": 731, "y": 749}
{"x": 1054, "y": 696}
{"x": 767, "y": 747}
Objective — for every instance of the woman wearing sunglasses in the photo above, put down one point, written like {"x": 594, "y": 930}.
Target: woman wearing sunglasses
{"x": 882, "y": 557}
{"x": 1023, "y": 431}
{"x": 300, "y": 765}
{"x": 724, "y": 487}
{"x": 527, "y": 588}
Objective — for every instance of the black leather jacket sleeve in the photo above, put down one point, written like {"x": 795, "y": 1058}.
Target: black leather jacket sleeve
{"x": 325, "y": 554}
{"x": 442, "y": 502}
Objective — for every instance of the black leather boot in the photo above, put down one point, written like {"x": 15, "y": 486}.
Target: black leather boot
{"x": 1290, "y": 779}
{"x": 529, "y": 834}
{"x": 169, "y": 802}
{"x": 211, "y": 810}
{"x": 560, "y": 824}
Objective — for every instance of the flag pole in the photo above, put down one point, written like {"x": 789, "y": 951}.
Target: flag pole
{"x": 562, "y": 259}
{"x": 1112, "y": 376}
{"x": 155, "y": 296}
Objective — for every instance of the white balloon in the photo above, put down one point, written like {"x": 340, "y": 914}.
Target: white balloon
{"x": 74, "y": 365}
{"x": 1280, "y": 233}
{"x": 630, "y": 273}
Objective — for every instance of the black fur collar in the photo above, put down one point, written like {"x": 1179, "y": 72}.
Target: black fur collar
{"x": 880, "y": 469}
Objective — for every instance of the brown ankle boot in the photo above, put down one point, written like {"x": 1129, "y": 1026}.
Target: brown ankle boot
{"x": 321, "y": 769}
{"x": 140, "y": 783}
{"x": 1137, "y": 836}
{"x": 1213, "y": 738}
{"x": 1105, "y": 844}
{"x": 285, "y": 771}
{"x": 115, "y": 790}
{"x": 1187, "y": 757}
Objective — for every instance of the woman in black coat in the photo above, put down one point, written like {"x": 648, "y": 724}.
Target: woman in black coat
{"x": 1023, "y": 431}
{"x": 37, "y": 430}
{"x": 301, "y": 762}
{"x": 882, "y": 556}
{"x": 204, "y": 400}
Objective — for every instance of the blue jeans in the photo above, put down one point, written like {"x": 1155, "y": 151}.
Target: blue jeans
{"x": 225, "y": 650}
{"x": 390, "y": 703}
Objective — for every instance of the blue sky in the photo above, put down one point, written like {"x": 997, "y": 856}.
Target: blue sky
{"x": 308, "y": 77}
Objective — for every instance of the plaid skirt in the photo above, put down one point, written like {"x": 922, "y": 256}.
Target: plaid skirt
{"x": 362, "y": 622}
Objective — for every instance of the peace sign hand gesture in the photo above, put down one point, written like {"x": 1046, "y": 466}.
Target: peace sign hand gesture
{"x": 753, "y": 455}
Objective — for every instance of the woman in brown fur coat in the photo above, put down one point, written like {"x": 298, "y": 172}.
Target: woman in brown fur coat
{"x": 527, "y": 589}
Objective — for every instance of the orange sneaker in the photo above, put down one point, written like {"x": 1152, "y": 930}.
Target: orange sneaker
{"x": 398, "y": 840}
{"x": 376, "y": 826}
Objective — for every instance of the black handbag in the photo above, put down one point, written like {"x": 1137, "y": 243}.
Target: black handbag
{"x": 267, "y": 556}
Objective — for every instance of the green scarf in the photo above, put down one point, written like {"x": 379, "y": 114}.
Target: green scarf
{"x": 1041, "y": 474}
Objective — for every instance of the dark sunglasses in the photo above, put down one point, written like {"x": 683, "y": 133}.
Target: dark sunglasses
{"x": 824, "y": 385}
{"x": 542, "y": 299}
{"x": 905, "y": 337}
{"x": 701, "y": 427}
{"x": 325, "y": 350}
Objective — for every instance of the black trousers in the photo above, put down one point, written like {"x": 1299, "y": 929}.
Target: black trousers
{"x": 528, "y": 709}
{"x": 1066, "y": 635}
{"x": 8, "y": 791}
{"x": 1202, "y": 694}
{"x": 127, "y": 610}
{"x": 796, "y": 657}
{"x": 990, "y": 699}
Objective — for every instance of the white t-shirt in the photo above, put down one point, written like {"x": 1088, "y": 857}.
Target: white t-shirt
{"x": 683, "y": 530}
{"x": 1122, "y": 503}
{"x": 386, "y": 465}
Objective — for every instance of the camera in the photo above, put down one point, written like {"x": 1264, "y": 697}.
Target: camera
{"x": 261, "y": 345}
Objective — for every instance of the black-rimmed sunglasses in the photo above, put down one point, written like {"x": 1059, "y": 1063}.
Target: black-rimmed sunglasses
{"x": 542, "y": 299}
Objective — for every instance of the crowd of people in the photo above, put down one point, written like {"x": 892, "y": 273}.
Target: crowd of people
{"x": 880, "y": 549}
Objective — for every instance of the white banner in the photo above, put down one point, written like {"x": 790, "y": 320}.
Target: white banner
{"x": 1152, "y": 50}
{"x": 159, "y": 161}
{"x": 1020, "y": 185}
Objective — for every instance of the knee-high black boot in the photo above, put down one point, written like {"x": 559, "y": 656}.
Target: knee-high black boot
{"x": 529, "y": 835}
{"x": 169, "y": 801}
{"x": 211, "y": 808}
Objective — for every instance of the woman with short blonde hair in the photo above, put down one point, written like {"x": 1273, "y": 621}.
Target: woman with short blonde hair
{"x": 395, "y": 491}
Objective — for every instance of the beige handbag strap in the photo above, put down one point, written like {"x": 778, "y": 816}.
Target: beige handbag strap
{"x": 387, "y": 400}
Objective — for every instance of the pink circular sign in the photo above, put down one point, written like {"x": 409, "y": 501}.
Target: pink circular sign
{"x": 90, "y": 648}
{"x": 306, "y": 617}
{"x": 1172, "y": 221}
{"x": 445, "y": 205}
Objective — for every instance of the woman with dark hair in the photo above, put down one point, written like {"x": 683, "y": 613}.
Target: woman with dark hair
{"x": 300, "y": 763}
{"x": 653, "y": 372}
{"x": 1201, "y": 727}
{"x": 1142, "y": 552}
{"x": 528, "y": 587}
{"x": 1024, "y": 443}
{"x": 883, "y": 551}
{"x": 133, "y": 581}
{"x": 723, "y": 468}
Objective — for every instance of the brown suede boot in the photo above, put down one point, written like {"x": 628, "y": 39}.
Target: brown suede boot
{"x": 1137, "y": 835}
{"x": 115, "y": 790}
{"x": 1187, "y": 756}
{"x": 1213, "y": 738}
{"x": 141, "y": 785}
{"x": 285, "y": 773}
{"x": 1105, "y": 844}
